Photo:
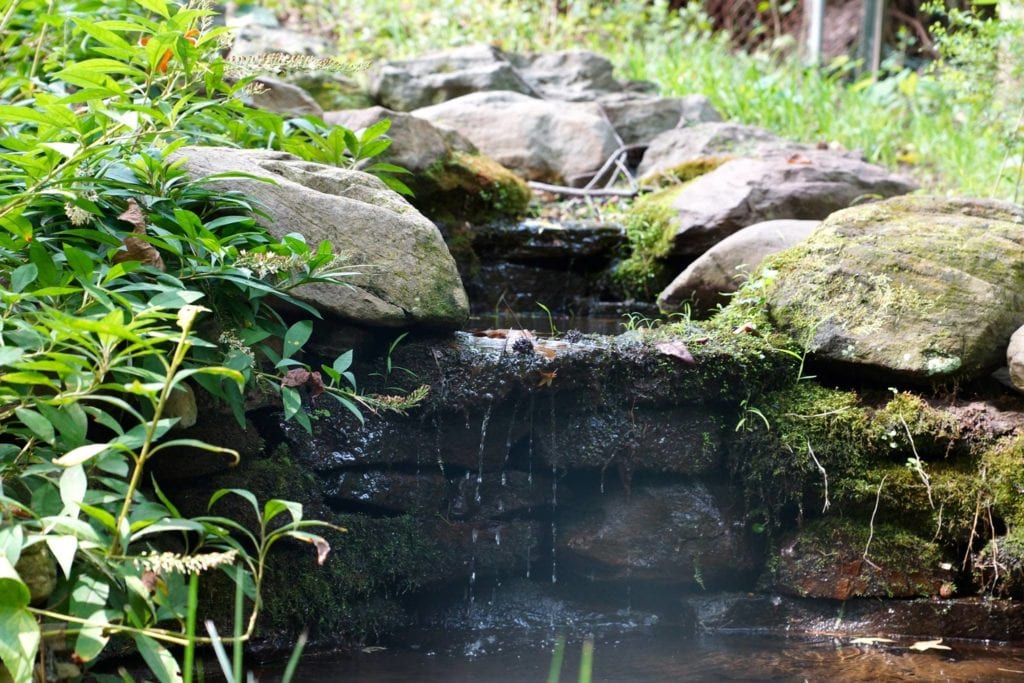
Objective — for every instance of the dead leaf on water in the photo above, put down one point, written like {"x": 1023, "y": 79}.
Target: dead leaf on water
{"x": 870, "y": 640}
{"x": 923, "y": 645}
{"x": 676, "y": 349}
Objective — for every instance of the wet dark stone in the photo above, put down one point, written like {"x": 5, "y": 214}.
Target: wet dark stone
{"x": 536, "y": 240}
{"x": 500, "y": 495}
{"x": 482, "y": 548}
{"x": 683, "y": 440}
{"x": 387, "y": 491}
{"x": 559, "y": 286}
{"x": 976, "y": 618}
{"x": 682, "y": 535}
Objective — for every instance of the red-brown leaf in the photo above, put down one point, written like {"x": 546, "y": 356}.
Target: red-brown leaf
{"x": 296, "y": 377}
{"x": 138, "y": 249}
{"x": 676, "y": 349}
{"x": 134, "y": 215}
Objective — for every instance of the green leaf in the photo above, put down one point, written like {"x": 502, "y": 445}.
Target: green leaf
{"x": 376, "y": 130}
{"x": 102, "y": 34}
{"x": 80, "y": 261}
{"x": 77, "y": 456}
{"x": 342, "y": 362}
{"x": 296, "y": 336}
{"x": 23, "y": 276}
{"x": 73, "y": 485}
{"x": 38, "y": 424}
{"x": 247, "y": 495}
{"x": 63, "y": 549}
{"x": 9, "y": 354}
{"x": 155, "y": 6}
{"x": 292, "y": 401}
{"x": 19, "y": 642}
{"x": 100, "y": 515}
{"x": 12, "y": 537}
{"x": 160, "y": 661}
{"x": 14, "y": 594}
{"x": 274, "y": 507}
{"x": 69, "y": 420}
{"x": 22, "y": 114}
{"x": 93, "y": 638}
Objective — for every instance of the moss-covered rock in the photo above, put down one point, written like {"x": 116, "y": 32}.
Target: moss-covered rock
{"x": 841, "y": 559}
{"x": 469, "y": 187}
{"x": 920, "y": 288}
{"x": 648, "y": 224}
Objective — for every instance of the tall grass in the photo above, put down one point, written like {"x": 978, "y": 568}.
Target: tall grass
{"x": 956, "y": 127}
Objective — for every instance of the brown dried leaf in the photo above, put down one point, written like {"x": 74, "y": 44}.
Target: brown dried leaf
{"x": 316, "y": 385}
{"x": 799, "y": 159}
{"x": 546, "y": 378}
{"x": 676, "y": 349}
{"x": 296, "y": 377}
{"x": 545, "y": 351}
{"x": 322, "y": 549}
{"x": 134, "y": 215}
{"x": 138, "y": 249}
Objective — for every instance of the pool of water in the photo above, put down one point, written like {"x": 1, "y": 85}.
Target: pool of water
{"x": 507, "y": 635}
{"x": 661, "y": 656}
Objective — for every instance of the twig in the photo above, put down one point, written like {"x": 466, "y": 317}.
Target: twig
{"x": 927, "y": 45}
{"x": 974, "y": 532}
{"x": 824, "y": 475}
{"x": 582, "y": 192}
{"x": 918, "y": 465}
{"x": 871, "y": 526}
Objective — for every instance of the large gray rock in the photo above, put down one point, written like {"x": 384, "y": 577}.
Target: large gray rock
{"x": 808, "y": 185}
{"x": 1015, "y": 358}
{"x": 721, "y": 269}
{"x": 708, "y": 139}
{"x": 569, "y": 75}
{"x": 639, "y": 119}
{"x": 409, "y": 84}
{"x": 680, "y": 535}
{"x": 561, "y": 142}
{"x": 417, "y": 144}
{"x": 253, "y": 40}
{"x": 923, "y": 288}
{"x": 408, "y": 277}
{"x": 284, "y": 98}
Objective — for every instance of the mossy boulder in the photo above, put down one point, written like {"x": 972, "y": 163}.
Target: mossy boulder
{"x": 840, "y": 559}
{"x": 917, "y": 288}
{"x": 452, "y": 182}
{"x": 408, "y": 276}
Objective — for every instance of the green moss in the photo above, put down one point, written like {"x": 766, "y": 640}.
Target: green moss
{"x": 650, "y": 232}
{"x": 684, "y": 172}
{"x": 1001, "y": 475}
{"x": 471, "y": 187}
{"x": 999, "y": 567}
{"x": 826, "y": 559}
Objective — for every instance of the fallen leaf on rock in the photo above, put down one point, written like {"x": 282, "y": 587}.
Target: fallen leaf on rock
{"x": 870, "y": 640}
{"x": 546, "y": 378}
{"x": 798, "y": 159}
{"x": 923, "y": 645}
{"x": 746, "y": 328}
{"x": 676, "y": 349}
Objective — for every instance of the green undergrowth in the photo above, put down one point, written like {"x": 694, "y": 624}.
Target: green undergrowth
{"x": 649, "y": 230}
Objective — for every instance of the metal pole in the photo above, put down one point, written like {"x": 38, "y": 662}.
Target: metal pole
{"x": 815, "y": 29}
{"x": 871, "y": 36}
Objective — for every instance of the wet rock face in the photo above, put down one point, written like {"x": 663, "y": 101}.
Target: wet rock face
{"x": 918, "y": 288}
{"x": 681, "y": 535}
{"x": 833, "y": 559}
{"x": 978, "y": 618}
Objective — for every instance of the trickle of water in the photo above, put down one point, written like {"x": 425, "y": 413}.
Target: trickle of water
{"x": 483, "y": 439}
{"x": 475, "y": 535}
{"x": 529, "y": 451}
{"x": 437, "y": 443}
{"x": 508, "y": 442}
{"x": 554, "y": 498}
{"x": 497, "y": 537}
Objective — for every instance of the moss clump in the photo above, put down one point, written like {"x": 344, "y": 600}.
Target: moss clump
{"x": 1001, "y": 474}
{"x": 832, "y": 558}
{"x": 999, "y": 567}
{"x": 650, "y": 232}
{"x": 471, "y": 187}
{"x": 684, "y": 172}
{"x": 353, "y": 596}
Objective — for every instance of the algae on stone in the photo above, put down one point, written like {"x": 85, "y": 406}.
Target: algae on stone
{"x": 920, "y": 287}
